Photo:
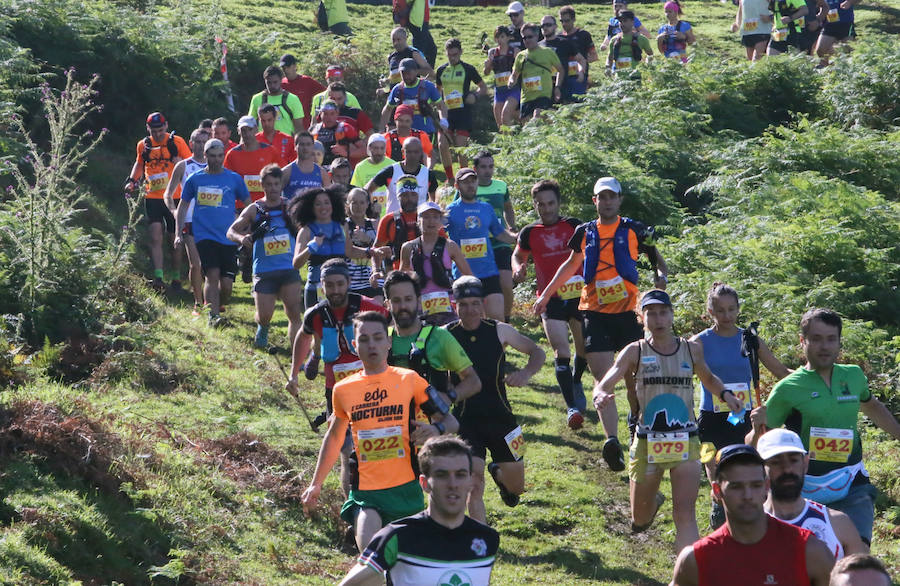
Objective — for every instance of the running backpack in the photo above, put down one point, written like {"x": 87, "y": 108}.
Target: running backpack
{"x": 283, "y": 103}
{"x": 438, "y": 271}
{"x": 400, "y": 233}
{"x": 170, "y": 145}
{"x": 635, "y": 47}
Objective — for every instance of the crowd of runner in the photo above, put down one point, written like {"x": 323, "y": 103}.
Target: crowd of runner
{"x": 396, "y": 265}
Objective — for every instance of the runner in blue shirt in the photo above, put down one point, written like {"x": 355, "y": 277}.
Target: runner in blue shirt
{"x": 421, "y": 94}
{"x": 471, "y": 223}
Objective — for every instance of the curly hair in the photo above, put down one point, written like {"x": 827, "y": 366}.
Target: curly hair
{"x": 301, "y": 209}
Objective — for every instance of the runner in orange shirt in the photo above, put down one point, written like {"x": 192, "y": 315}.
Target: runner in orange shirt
{"x": 249, "y": 157}
{"x": 281, "y": 142}
{"x": 376, "y": 404}
{"x": 157, "y": 155}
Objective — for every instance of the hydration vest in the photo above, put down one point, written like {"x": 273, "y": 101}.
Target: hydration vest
{"x": 635, "y": 47}
{"x": 283, "y": 104}
{"x": 400, "y": 233}
{"x": 330, "y": 348}
{"x": 439, "y": 273}
{"x": 625, "y": 266}
{"x": 439, "y": 379}
{"x": 170, "y": 146}
{"x": 397, "y": 146}
{"x": 263, "y": 214}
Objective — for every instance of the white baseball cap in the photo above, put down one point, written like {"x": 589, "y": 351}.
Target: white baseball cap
{"x": 376, "y": 138}
{"x": 607, "y": 184}
{"x": 779, "y": 441}
{"x": 249, "y": 121}
{"x": 515, "y": 8}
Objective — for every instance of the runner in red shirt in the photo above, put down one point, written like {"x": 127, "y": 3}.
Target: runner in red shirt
{"x": 249, "y": 157}
{"x": 546, "y": 242}
{"x": 282, "y": 143}
{"x": 387, "y": 236}
{"x": 302, "y": 86}
{"x": 751, "y": 548}
{"x": 222, "y": 131}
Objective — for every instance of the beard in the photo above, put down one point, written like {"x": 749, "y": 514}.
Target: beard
{"x": 787, "y": 487}
{"x": 405, "y": 319}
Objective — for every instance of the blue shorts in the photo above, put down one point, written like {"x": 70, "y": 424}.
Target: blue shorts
{"x": 859, "y": 505}
{"x": 503, "y": 94}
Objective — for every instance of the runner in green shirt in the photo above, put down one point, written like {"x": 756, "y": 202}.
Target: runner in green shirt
{"x": 535, "y": 67}
{"x": 627, "y": 48}
{"x": 289, "y": 119}
{"x": 366, "y": 169}
{"x": 496, "y": 193}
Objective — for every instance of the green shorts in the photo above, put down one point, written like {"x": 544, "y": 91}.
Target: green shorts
{"x": 391, "y": 503}
{"x": 639, "y": 467}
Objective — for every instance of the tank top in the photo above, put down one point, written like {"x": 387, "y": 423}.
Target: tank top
{"x": 723, "y": 356}
{"x": 274, "y": 251}
{"x": 361, "y": 268}
{"x": 332, "y": 247}
{"x": 428, "y": 284}
{"x": 488, "y": 356}
{"x": 778, "y": 558}
{"x": 501, "y": 65}
{"x": 301, "y": 181}
{"x": 190, "y": 167}
{"x": 815, "y": 518}
{"x": 665, "y": 392}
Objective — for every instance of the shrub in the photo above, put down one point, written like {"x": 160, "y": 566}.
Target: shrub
{"x": 861, "y": 89}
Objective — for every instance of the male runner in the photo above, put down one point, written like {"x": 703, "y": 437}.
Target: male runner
{"x": 222, "y": 131}
{"x": 860, "y": 570}
{"x": 250, "y": 156}
{"x": 366, "y": 169}
{"x": 789, "y": 26}
{"x": 615, "y": 27}
{"x": 378, "y": 404}
{"x": 607, "y": 251}
{"x": 786, "y": 463}
{"x": 585, "y": 45}
{"x": 486, "y": 420}
{"x": 568, "y": 55}
{"x": 837, "y": 19}
{"x": 751, "y": 548}
{"x": 516, "y": 13}
{"x": 281, "y": 142}
{"x": 341, "y": 170}
{"x": 496, "y": 193}
{"x": 157, "y": 155}
{"x": 821, "y": 402}
{"x": 411, "y": 164}
{"x": 305, "y": 172}
{"x": 290, "y": 111}
{"x": 402, "y": 50}
{"x": 184, "y": 169}
{"x": 627, "y": 48}
{"x": 333, "y": 74}
{"x": 419, "y": 93}
{"x": 455, "y": 80}
{"x": 429, "y": 350}
{"x": 534, "y": 67}
{"x": 302, "y": 86}
{"x": 441, "y": 545}
{"x": 337, "y": 93}
{"x": 216, "y": 190}
{"x": 339, "y": 138}
{"x": 546, "y": 241}
{"x": 398, "y": 227}
{"x": 403, "y": 119}
{"x": 470, "y": 223}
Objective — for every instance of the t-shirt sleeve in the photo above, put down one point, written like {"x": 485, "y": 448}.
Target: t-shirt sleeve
{"x": 382, "y": 177}
{"x": 588, "y": 41}
{"x": 184, "y": 151}
{"x": 524, "y": 240}
{"x": 337, "y": 401}
{"x": 384, "y": 236}
{"x": 438, "y": 74}
{"x": 861, "y": 381}
{"x": 352, "y": 101}
{"x": 426, "y": 144}
{"x": 255, "y": 101}
{"x": 364, "y": 123}
{"x": 576, "y": 242}
{"x": 496, "y": 227}
{"x": 448, "y": 354}
{"x": 519, "y": 61}
{"x": 432, "y": 181}
{"x": 381, "y": 553}
{"x": 293, "y": 102}
{"x": 474, "y": 76}
{"x": 777, "y": 407}
{"x": 644, "y": 43}
{"x": 418, "y": 385}
{"x": 189, "y": 191}
{"x": 240, "y": 189}
{"x": 434, "y": 94}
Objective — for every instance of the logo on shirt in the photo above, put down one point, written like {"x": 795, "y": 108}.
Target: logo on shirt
{"x": 552, "y": 241}
{"x": 455, "y": 578}
{"x": 770, "y": 579}
{"x": 479, "y": 546}
{"x": 473, "y": 222}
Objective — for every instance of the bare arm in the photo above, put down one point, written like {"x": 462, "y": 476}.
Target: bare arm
{"x": 738, "y": 18}
{"x": 362, "y": 575}
{"x": 847, "y": 534}
{"x": 881, "y": 416}
{"x": 239, "y": 231}
{"x": 469, "y": 384}
{"x": 180, "y": 217}
{"x": 819, "y": 561}
{"x": 509, "y": 336}
{"x": 301, "y": 249}
{"x": 328, "y": 455}
{"x": 350, "y": 249}
{"x": 520, "y": 264}
{"x": 509, "y": 215}
{"x": 625, "y": 362}
{"x": 424, "y": 67}
{"x": 770, "y": 362}
{"x": 457, "y": 256}
{"x": 711, "y": 381}
{"x": 686, "y": 573}
{"x": 406, "y": 257}
{"x": 386, "y": 116}
{"x": 661, "y": 278}
{"x": 174, "y": 182}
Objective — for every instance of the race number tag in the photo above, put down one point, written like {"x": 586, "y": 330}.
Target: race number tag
{"x": 436, "y": 302}
{"x": 572, "y": 288}
{"x": 573, "y": 67}
{"x": 277, "y": 244}
{"x": 474, "y": 247}
{"x": 209, "y": 196}
{"x": 253, "y": 183}
{"x": 623, "y": 62}
{"x": 502, "y": 79}
{"x": 751, "y": 24}
{"x": 454, "y": 100}
{"x": 516, "y": 442}
{"x": 342, "y": 371}
{"x": 671, "y": 446}
{"x": 414, "y": 103}
{"x": 611, "y": 290}
{"x": 741, "y": 391}
{"x": 779, "y": 34}
{"x": 830, "y": 444}
{"x": 532, "y": 84}
{"x": 384, "y": 443}
{"x": 157, "y": 182}
{"x": 833, "y": 15}
{"x": 379, "y": 198}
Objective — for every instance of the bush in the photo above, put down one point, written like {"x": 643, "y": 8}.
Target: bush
{"x": 861, "y": 89}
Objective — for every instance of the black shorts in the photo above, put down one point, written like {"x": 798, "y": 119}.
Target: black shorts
{"x": 750, "y": 41}
{"x": 490, "y": 285}
{"x": 714, "y": 428}
{"x": 271, "y": 282}
{"x": 526, "y": 109}
{"x": 562, "y": 309}
{"x": 487, "y": 433}
{"x": 838, "y": 30}
{"x": 460, "y": 119}
{"x": 158, "y": 211}
{"x": 214, "y": 255}
{"x": 800, "y": 40}
{"x": 610, "y": 332}
{"x": 503, "y": 257}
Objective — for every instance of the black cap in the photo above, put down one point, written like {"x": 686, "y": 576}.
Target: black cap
{"x": 655, "y": 297}
{"x": 626, "y": 14}
{"x": 736, "y": 452}
{"x": 468, "y": 286}
{"x": 287, "y": 60}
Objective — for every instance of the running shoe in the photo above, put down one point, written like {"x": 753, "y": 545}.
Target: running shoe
{"x": 215, "y": 321}
{"x": 158, "y": 285}
{"x": 580, "y": 399}
{"x": 509, "y": 498}
{"x": 574, "y": 418}
{"x": 176, "y": 285}
{"x": 197, "y": 311}
{"x": 261, "y": 340}
{"x": 612, "y": 454}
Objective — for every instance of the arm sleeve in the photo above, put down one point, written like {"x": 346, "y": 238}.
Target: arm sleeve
{"x": 576, "y": 242}
{"x": 432, "y": 181}
{"x": 381, "y": 178}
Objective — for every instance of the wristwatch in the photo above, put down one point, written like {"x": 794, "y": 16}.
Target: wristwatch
{"x": 451, "y": 394}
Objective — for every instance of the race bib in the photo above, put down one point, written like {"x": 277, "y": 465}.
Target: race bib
{"x": 502, "y": 79}
{"x": 779, "y": 34}
{"x": 751, "y": 25}
{"x": 516, "y": 442}
{"x": 671, "y": 446}
{"x": 209, "y": 196}
{"x": 532, "y": 84}
{"x": 379, "y": 198}
{"x": 830, "y": 444}
{"x": 253, "y": 183}
{"x": 277, "y": 244}
{"x": 384, "y": 443}
{"x": 572, "y": 288}
{"x": 623, "y": 62}
{"x": 436, "y": 302}
{"x": 474, "y": 247}
{"x": 833, "y": 15}
{"x": 573, "y": 67}
{"x": 414, "y": 103}
{"x": 157, "y": 182}
{"x": 741, "y": 391}
{"x": 611, "y": 291}
{"x": 342, "y": 371}
{"x": 454, "y": 100}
